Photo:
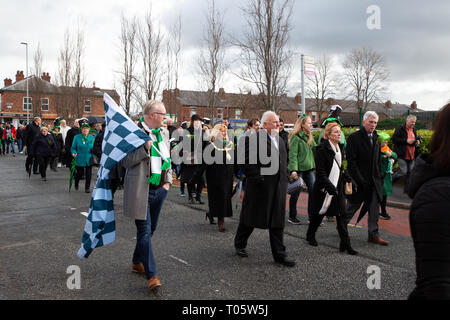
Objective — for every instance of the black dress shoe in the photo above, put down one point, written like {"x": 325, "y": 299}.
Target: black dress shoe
{"x": 199, "y": 200}
{"x": 241, "y": 253}
{"x": 312, "y": 241}
{"x": 286, "y": 262}
{"x": 346, "y": 247}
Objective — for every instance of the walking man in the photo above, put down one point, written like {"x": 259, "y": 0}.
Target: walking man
{"x": 405, "y": 142}
{"x": 364, "y": 166}
{"x": 264, "y": 203}
{"x": 147, "y": 181}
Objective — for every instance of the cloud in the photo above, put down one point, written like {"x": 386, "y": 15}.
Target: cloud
{"x": 413, "y": 37}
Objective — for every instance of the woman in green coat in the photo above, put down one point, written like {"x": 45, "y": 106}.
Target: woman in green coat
{"x": 301, "y": 162}
{"x": 82, "y": 152}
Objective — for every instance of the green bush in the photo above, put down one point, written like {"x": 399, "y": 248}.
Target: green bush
{"x": 393, "y": 123}
{"x": 424, "y": 145}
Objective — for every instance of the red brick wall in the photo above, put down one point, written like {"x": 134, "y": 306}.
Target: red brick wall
{"x": 16, "y": 99}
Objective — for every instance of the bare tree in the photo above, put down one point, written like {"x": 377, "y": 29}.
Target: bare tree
{"x": 149, "y": 46}
{"x": 211, "y": 62}
{"x": 321, "y": 85}
{"x": 264, "y": 56}
{"x": 366, "y": 76}
{"x": 78, "y": 74}
{"x": 128, "y": 37}
{"x": 173, "y": 54}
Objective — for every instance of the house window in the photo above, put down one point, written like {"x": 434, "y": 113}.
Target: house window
{"x": 192, "y": 112}
{"x": 219, "y": 113}
{"x": 87, "y": 106}
{"x": 313, "y": 116}
{"x": 27, "y": 103}
{"x": 238, "y": 114}
{"x": 44, "y": 104}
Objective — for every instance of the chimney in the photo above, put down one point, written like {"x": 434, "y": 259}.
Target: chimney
{"x": 414, "y": 105}
{"x": 19, "y": 76}
{"x": 8, "y": 82}
{"x": 46, "y": 77}
{"x": 298, "y": 98}
{"x": 221, "y": 93}
{"x": 388, "y": 104}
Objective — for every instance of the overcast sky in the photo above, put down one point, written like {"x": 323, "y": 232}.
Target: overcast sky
{"x": 414, "y": 38}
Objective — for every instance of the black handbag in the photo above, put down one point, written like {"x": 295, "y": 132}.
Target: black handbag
{"x": 295, "y": 185}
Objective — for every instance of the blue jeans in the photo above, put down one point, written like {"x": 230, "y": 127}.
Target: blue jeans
{"x": 143, "y": 253}
{"x": 309, "y": 178}
{"x": 20, "y": 145}
{"x": 10, "y": 143}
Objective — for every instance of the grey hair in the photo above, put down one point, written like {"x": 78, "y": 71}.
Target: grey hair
{"x": 369, "y": 114}
{"x": 150, "y": 106}
{"x": 266, "y": 115}
{"x": 410, "y": 117}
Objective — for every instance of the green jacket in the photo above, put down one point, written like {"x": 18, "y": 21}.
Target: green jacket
{"x": 386, "y": 175}
{"x": 83, "y": 148}
{"x": 301, "y": 157}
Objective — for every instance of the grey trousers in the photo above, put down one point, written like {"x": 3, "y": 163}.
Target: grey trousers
{"x": 374, "y": 206}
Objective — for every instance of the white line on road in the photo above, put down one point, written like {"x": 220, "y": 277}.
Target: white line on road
{"x": 178, "y": 259}
{"x": 84, "y": 214}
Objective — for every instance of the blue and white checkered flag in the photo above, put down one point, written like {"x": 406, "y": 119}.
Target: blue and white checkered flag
{"x": 122, "y": 136}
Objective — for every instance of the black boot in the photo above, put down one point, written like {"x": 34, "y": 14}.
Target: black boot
{"x": 311, "y": 237}
{"x": 199, "y": 199}
{"x": 347, "y": 247}
{"x": 191, "y": 199}
{"x": 211, "y": 218}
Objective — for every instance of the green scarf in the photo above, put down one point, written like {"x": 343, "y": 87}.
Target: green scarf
{"x": 158, "y": 164}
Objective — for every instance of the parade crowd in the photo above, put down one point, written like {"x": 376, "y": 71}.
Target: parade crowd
{"x": 342, "y": 177}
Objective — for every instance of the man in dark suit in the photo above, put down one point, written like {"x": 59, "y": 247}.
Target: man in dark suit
{"x": 31, "y": 131}
{"x": 264, "y": 203}
{"x": 364, "y": 166}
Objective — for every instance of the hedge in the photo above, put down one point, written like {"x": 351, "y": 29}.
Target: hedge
{"x": 424, "y": 145}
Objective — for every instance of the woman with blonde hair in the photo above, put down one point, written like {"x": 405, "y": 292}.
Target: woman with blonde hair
{"x": 301, "y": 162}
{"x": 219, "y": 176}
{"x": 328, "y": 194}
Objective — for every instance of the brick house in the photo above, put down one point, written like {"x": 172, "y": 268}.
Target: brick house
{"x": 184, "y": 103}
{"x": 49, "y": 101}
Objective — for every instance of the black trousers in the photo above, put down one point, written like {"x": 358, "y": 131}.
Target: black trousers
{"x": 275, "y": 235}
{"x": 31, "y": 161}
{"x": 341, "y": 227}
{"x": 43, "y": 163}
{"x": 87, "y": 176}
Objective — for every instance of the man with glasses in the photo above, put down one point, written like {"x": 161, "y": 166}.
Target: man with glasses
{"x": 147, "y": 181}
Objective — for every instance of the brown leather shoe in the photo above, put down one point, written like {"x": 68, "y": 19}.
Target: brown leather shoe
{"x": 378, "y": 240}
{"x": 154, "y": 283}
{"x": 138, "y": 268}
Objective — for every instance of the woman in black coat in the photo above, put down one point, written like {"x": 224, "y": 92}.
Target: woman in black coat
{"x": 328, "y": 192}
{"x": 219, "y": 175}
{"x": 43, "y": 148}
{"x": 430, "y": 215}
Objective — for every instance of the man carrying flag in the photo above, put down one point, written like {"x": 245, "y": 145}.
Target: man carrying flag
{"x": 148, "y": 179}
{"x": 144, "y": 151}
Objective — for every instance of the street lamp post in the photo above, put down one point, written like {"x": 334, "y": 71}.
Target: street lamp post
{"x": 27, "y": 98}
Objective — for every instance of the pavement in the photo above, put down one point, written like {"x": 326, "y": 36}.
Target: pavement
{"x": 41, "y": 225}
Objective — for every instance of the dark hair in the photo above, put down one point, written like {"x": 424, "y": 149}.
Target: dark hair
{"x": 440, "y": 142}
{"x": 251, "y": 123}
{"x": 280, "y": 120}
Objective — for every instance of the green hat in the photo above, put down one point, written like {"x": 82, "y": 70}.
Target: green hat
{"x": 325, "y": 122}
{"x": 383, "y": 136}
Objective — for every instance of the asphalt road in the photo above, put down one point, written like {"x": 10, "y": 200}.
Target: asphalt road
{"x": 41, "y": 226}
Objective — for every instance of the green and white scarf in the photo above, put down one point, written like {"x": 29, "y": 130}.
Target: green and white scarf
{"x": 159, "y": 156}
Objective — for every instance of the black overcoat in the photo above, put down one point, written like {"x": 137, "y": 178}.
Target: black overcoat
{"x": 264, "y": 203}
{"x": 324, "y": 159}
{"x": 364, "y": 165}
{"x": 219, "y": 179}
